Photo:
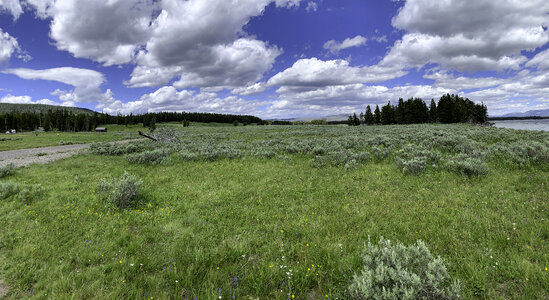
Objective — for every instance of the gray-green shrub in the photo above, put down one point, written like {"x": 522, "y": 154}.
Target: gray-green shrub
{"x": 413, "y": 166}
{"x": 395, "y": 271}
{"x": 112, "y": 149}
{"x": 123, "y": 192}
{"x": 27, "y": 193}
{"x": 469, "y": 166}
{"x": 8, "y": 189}
{"x": 6, "y": 170}
{"x": 154, "y": 157}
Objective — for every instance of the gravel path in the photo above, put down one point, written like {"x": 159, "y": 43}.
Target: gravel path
{"x": 44, "y": 155}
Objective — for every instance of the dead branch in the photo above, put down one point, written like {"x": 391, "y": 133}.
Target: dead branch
{"x": 147, "y": 136}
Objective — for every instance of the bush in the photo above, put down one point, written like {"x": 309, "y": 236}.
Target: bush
{"x": 6, "y": 170}
{"x": 8, "y": 189}
{"x": 154, "y": 157}
{"x": 395, "y": 271}
{"x": 166, "y": 135}
{"x": 413, "y": 166}
{"x": 469, "y": 166}
{"x": 27, "y": 193}
{"x": 380, "y": 153}
{"x": 124, "y": 193}
{"x": 112, "y": 149}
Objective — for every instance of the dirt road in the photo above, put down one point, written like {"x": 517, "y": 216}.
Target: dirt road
{"x": 25, "y": 157}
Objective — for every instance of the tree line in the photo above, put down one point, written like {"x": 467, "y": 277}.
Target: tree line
{"x": 450, "y": 109}
{"x": 66, "y": 120}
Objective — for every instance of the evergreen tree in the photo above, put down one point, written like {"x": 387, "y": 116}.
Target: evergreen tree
{"x": 399, "y": 112}
{"x": 368, "y": 116}
{"x": 152, "y": 124}
{"x": 433, "y": 111}
{"x": 377, "y": 115}
{"x": 387, "y": 114}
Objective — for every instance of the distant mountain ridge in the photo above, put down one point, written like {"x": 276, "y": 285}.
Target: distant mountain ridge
{"x": 530, "y": 113}
{"x": 40, "y": 108}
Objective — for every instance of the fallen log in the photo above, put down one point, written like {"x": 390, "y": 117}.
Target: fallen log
{"x": 147, "y": 136}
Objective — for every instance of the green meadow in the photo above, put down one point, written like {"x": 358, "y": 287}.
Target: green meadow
{"x": 56, "y": 138}
{"x": 277, "y": 212}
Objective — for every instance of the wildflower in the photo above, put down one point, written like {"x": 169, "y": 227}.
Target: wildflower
{"x": 131, "y": 265}
{"x": 120, "y": 261}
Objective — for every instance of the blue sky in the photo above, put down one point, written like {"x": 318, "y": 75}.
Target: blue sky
{"x": 273, "y": 58}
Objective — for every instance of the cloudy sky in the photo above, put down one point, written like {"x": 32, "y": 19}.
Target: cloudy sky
{"x": 273, "y": 58}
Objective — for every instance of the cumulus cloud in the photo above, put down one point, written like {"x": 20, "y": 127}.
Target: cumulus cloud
{"x": 86, "y": 82}
{"x": 200, "y": 43}
{"x": 168, "y": 98}
{"x": 255, "y": 88}
{"x": 16, "y": 99}
{"x": 313, "y": 72}
{"x": 311, "y": 6}
{"x": 11, "y": 6}
{"x": 335, "y": 99}
{"x": 28, "y": 100}
{"x": 541, "y": 60}
{"x": 469, "y": 36}
{"x": 8, "y": 46}
{"x": 447, "y": 80}
{"x": 109, "y": 32}
{"x": 335, "y": 46}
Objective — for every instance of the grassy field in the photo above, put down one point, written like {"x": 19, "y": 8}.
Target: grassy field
{"x": 280, "y": 212}
{"x": 54, "y": 138}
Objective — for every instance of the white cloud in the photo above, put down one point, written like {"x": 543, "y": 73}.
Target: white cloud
{"x": 469, "y": 36}
{"x": 109, "y": 32}
{"x": 311, "y": 6}
{"x": 8, "y": 46}
{"x": 335, "y": 46}
{"x": 86, "y": 82}
{"x": 28, "y": 100}
{"x": 336, "y": 99}
{"x": 16, "y": 99}
{"x": 168, "y": 98}
{"x": 11, "y": 6}
{"x": 199, "y": 42}
{"x": 447, "y": 80}
{"x": 312, "y": 72}
{"x": 541, "y": 60}
{"x": 255, "y": 88}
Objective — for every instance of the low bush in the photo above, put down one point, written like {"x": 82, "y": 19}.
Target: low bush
{"x": 123, "y": 193}
{"x": 6, "y": 170}
{"x": 27, "y": 193}
{"x": 8, "y": 189}
{"x": 413, "y": 166}
{"x": 469, "y": 166}
{"x": 113, "y": 149}
{"x": 380, "y": 153}
{"x": 154, "y": 157}
{"x": 395, "y": 271}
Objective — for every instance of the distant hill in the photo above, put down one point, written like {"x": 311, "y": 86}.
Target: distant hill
{"x": 38, "y": 108}
{"x": 530, "y": 113}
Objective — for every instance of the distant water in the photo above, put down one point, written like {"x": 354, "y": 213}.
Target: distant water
{"x": 524, "y": 124}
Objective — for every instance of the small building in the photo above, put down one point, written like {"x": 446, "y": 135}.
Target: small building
{"x": 101, "y": 129}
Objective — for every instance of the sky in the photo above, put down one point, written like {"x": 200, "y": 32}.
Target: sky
{"x": 273, "y": 58}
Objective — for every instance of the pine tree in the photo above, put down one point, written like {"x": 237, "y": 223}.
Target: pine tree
{"x": 377, "y": 115}
{"x": 369, "y": 117}
{"x": 433, "y": 111}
